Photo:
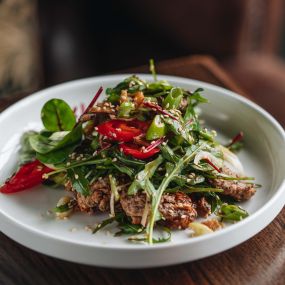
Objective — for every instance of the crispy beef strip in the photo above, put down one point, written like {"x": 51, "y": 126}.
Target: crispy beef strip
{"x": 99, "y": 199}
{"x": 239, "y": 190}
{"x": 177, "y": 209}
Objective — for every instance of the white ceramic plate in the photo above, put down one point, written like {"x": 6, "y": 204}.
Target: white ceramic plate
{"x": 23, "y": 215}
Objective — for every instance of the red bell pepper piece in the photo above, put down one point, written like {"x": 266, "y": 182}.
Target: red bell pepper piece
{"x": 123, "y": 131}
{"x": 28, "y": 176}
{"x": 138, "y": 152}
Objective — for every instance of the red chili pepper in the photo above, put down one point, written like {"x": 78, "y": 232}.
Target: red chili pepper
{"x": 123, "y": 131}
{"x": 138, "y": 152}
{"x": 28, "y": 176}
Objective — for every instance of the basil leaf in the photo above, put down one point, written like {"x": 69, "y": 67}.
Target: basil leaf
{"x": 78, "y": 180}
{"x": 57, "y": 116}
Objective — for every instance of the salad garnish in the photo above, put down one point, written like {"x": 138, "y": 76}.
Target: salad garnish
{"x": 142, "y": 155}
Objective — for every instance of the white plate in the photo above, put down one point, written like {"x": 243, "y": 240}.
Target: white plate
{"x": 23, "y": 215}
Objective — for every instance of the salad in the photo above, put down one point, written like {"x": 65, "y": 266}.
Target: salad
{"x": 141, "y": 155}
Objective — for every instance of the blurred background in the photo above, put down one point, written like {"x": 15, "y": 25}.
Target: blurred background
{"x": 46, "y": 42}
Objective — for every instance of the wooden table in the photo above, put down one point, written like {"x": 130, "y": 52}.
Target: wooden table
{"x": 260, "y": 260}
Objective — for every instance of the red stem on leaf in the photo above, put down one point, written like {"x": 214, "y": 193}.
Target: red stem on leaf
{"x": 237, "y": 138}
{"x": 93, "y": 100}
{"x": 154, "y": 145}
{"x": 159, "y": 109}
{"x": 212, "y": 164}
{"x": 91, "y": 104}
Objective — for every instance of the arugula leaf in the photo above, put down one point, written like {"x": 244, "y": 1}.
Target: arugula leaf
{"x": 124, "y": 224}
{"x": 104, "y": 224}
{"x": 168, "y": 153}
{"x": 57, "y": 116}
{"x": 125, "y": 169}
{"x": 142, "y": 176}
{"x": 126, "y": 227}
{"x": 190, "y": 154}
{"x": 131, "y": 162}
{"x": 178, "y": 128}
{"x": 154, "y": 240}
{"x": 78, "y": 180}
{"x": 188, "y": 189}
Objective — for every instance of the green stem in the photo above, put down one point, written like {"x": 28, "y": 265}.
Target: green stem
{"x": 165, "y": 182}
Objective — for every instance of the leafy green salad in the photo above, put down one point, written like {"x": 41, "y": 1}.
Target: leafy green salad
{"x": 140, "y": 154}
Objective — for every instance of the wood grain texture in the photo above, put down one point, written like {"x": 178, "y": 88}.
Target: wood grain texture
{"x": 260, "y": 260}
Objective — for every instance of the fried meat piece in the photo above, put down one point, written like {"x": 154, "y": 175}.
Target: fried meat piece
{"x": 133, "y": 205}
{"x": 239, "y": 190}
{"x": 176, "y": 208}
{"x": 203, "y": 207}
{"x": 99, "y": 198}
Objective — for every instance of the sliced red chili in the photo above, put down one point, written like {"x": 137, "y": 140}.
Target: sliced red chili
{"x": 137, "y": 152}
{"x": 28, "y": 176}
{"x": 120, "y": 130}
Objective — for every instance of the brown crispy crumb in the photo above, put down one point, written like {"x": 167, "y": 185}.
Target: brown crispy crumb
{"x": 213, "y": 224}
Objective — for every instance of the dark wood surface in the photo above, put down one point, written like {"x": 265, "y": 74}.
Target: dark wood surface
{"x": 260, "y": 260}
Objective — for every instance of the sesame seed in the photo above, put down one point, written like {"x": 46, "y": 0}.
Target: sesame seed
{"x": 166, "y": 116}
{"x": 167, "y": 106}
{"x": 114, "y": 159}
{"x": 94, "y": 133}
{"x": 164, "y": 143}
{"x": 45, "y": 176}
{"x": 76, "y": 176}
{"x": 166, "y": 174}
{"x": 188, "y": 180}
{"x": 95, "y": 153}
{"x": 68, "y": 163}
{"x": 87, "y": 228}
{"x": 96, "y": 128}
